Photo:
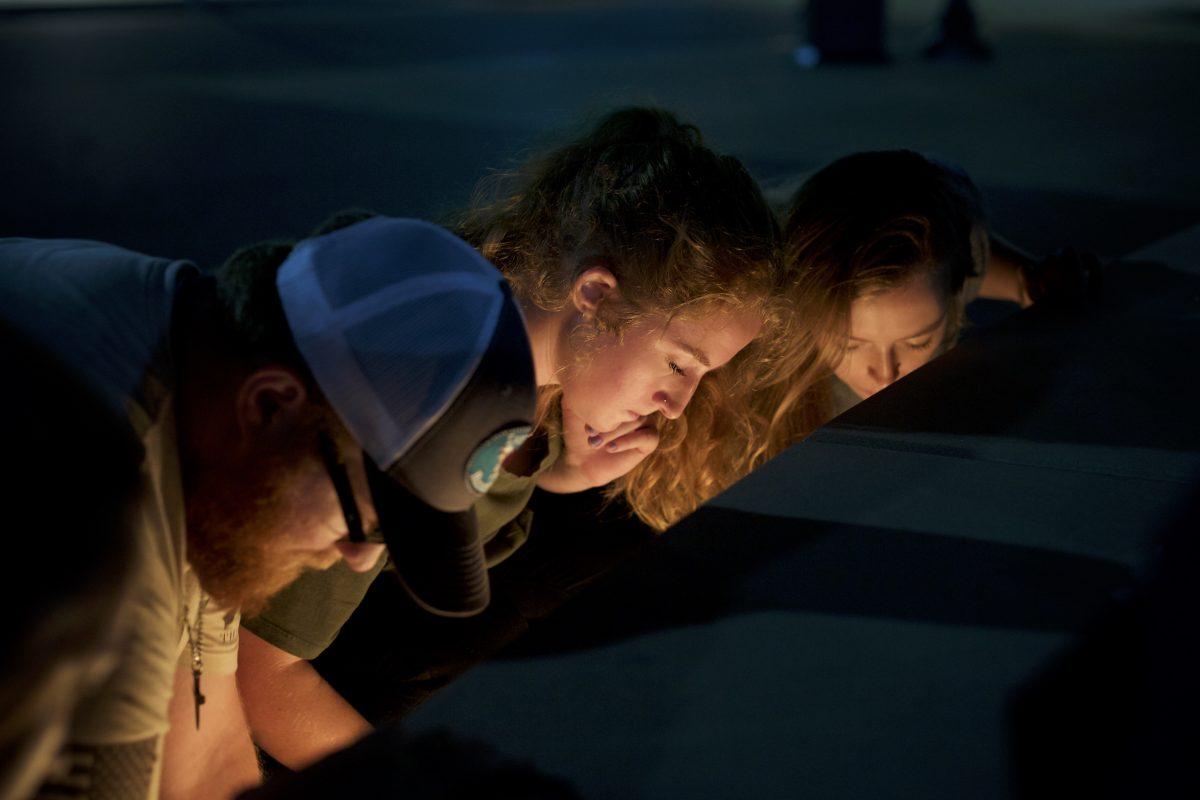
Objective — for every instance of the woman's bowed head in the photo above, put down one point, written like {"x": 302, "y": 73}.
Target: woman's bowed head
{"x": 617, "y": 384}
{"x": 882, "y": 252}
{"x": 644, "y": 261}
{"x": 886, "y": 249}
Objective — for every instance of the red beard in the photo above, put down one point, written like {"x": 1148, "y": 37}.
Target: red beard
{"x": 237, "y": 524}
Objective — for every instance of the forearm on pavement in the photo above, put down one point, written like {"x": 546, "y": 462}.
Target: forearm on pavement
{"x": 1003, "y": 279}
{"x": 294, "y": 714}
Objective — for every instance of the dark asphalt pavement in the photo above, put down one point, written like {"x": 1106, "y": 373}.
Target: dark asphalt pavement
{"x": 187, "y": 130}
{"x": 846, "y": 647}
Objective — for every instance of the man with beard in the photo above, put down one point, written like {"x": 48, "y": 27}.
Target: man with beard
{"x": 287, "y": 409}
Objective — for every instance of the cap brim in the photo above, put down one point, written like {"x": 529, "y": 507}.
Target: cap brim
{"x": 437, "y": 554}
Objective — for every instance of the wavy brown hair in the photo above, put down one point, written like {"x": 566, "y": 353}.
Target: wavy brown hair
{"x": 683, "y": 228}
{"x": 865, "y": 223}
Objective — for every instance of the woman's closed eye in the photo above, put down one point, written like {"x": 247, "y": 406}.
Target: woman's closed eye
{"x": 678, "y": 370}
{"x": 921, "y": 345}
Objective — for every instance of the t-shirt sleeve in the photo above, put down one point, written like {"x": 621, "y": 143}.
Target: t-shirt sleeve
{"x": 219, "y": 641}
{"x": 131, "y": 705}
{"x": 306, "y": 617}
{"x": 118, "y": 302}
{"x": 502, "y": 514}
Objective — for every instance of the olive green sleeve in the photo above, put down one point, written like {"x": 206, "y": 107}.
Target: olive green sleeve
{"x": 307, "y": 616}
{"x": 502, "y": 516}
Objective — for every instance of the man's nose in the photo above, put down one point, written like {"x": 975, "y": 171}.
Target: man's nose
{"x": 360, "y": 556}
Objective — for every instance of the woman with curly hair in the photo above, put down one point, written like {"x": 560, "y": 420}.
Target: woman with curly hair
{"x": 645, "y": 263}
{"x": 883, "y": 250}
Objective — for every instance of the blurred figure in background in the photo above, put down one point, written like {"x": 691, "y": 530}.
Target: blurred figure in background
{"x": 1103, "y": 718}
{"x": 855, "y": 32}
{"x": 70, "y": 555}
{"x": 958, "y": 37}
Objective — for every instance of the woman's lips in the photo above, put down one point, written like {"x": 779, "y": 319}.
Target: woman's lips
{"x": 592, "y": 430}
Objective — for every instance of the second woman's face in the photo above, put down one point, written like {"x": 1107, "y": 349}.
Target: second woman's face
{"x": 892, "y": 333}
{"x": 654, "y": 366}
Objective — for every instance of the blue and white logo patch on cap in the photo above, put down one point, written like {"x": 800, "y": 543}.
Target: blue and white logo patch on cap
{"x": 483, "y": 467}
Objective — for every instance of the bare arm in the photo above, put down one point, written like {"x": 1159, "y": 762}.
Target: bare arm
{"x": 1004, "y": 277}
{"x": 294, "y": 714}
{"x": 217, "y": 761}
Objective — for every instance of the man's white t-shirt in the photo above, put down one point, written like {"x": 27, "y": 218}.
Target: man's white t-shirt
{"x": 105, "y": 312}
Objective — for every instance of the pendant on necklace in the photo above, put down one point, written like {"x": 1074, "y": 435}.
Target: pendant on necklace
{"x": 196, "y": 694}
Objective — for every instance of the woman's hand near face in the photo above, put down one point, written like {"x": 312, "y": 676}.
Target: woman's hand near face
{"x": 592, "y": 459}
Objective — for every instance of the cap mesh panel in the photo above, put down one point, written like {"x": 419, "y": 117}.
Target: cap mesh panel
{"x": 395, "y": 254}
{"x": 414, "y": 359}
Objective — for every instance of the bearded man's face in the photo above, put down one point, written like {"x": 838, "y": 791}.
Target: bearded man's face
{"x": 264, "y": 515}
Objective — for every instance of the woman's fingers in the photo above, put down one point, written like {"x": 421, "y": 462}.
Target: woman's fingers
{"x": 643, "y": 440}
{"x": 603, "y": 439}
{"x": 619, "y": 456}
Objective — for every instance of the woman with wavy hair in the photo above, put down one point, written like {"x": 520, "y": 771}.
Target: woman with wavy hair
{"x": 886, "y": 250}
{"x": 644, "y": 261}
{"x": 883, "y": 250}
{"x": 645, "y": 264}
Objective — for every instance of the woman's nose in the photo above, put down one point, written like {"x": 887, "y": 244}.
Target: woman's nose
{"x": 884, "y": 368}
{"x": 668, "y": 405}
{"x": 671, "y": 401}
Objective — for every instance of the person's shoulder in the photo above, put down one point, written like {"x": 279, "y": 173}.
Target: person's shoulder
{"x": 86, "y": 255}
{"x": 95, "y": 271}
{"x": 118, "y": 301}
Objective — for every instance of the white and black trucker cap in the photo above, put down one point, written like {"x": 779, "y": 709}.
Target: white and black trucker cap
{"x": 417, "y": 343}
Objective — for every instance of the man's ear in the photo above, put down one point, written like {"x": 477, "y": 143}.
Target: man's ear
{"x": 270, "y": 400}
{"x": 595, "y": 286}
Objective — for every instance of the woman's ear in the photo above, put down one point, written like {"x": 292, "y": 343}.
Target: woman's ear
{"x": 595, "y": 286}
{"x": 270, "y": 401}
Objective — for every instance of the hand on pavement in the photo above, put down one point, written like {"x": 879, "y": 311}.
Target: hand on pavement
{"x": 1064, "y": 276}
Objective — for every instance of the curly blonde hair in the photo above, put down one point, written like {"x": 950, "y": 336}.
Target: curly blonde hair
{"x": 683, "y": 228}
{"x": 863, "y": 224}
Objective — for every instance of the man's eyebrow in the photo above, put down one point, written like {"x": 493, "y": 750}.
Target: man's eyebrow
{"x": 693, "y": 351}
{"x": 927, "y": 329}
